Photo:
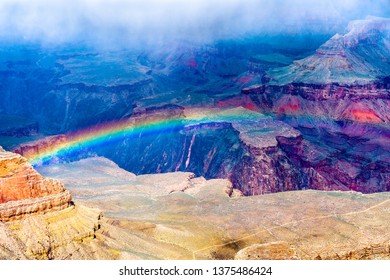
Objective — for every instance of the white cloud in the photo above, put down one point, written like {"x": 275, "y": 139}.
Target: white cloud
{"x": 132, "y": 20}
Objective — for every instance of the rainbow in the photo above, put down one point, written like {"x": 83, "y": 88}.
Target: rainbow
{"x": 156, "y": 122}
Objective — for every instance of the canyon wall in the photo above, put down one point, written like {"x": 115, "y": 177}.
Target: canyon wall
{"x": 24, "y": 191}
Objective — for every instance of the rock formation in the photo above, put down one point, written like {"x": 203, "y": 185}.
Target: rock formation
{"x": 40, "y": 146}
{"x": 179, "y": 216}
{"x": 329, "y": 128}
{"x": 338, "y": 98}
{"x": 359, "y": 56}
{"x": 23, "y": 191}
{"x": 264, "y": 168}
{"x": 267, "y": 251}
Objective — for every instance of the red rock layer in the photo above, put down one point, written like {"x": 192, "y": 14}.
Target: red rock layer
{"x": 24, "y": 191}
{"x": 31, "y": 149}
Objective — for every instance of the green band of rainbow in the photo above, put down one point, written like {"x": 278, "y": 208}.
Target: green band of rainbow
{"x": 149, "y": 123}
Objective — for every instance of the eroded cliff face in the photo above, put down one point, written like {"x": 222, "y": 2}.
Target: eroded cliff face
{"x": 242, "y": 147}
{"x": 264, "y": 167}
{"x": 362, "y": 103}
{"x": 24, "y": 191}
{"x": 339, "y": 100}
{"x": 180, "y": 216}
{"x": 337, "y": 97}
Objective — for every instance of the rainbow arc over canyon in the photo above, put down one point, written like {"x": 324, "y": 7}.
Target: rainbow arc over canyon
{"x": 155, "y": 122}
{"x": 137, "y": 126}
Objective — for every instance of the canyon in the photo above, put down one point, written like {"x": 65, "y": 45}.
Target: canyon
{"x": 118, "y": 215}
{"x": 248, "y": 149}
{"x": 23, "y": 191}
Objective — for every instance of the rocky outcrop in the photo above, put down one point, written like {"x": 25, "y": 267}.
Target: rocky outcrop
{"x": 70, "y": 233}
{"x": 19, "y": 209}
{"x": 268, "y": 251}
{"x": 362, "y": 103}
{"x": 24, "y": 191}
{"x": 370, "y": 252}
{"x": 339, "y": 164}
{"x": 31, "y": 149}
{"x": 359, "y": 56}
{"x": 338, "y": 98}
{"x": 264, "y": 167}
{"x": 176, "y": 216}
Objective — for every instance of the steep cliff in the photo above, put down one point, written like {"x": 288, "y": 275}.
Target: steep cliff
{"x": 233, "y": 143}
{"x": 23, "y": 191}
{"x": 359, "y": 56}
{"x": 338, "y": 98}
{"x": 180, "y": 216}
{"x": 362, "y": 103}
{"x": 264, "y": 166}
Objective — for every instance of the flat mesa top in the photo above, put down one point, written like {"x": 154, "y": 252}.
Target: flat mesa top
{"x": 256, "y": 130}
{"x": 263, "y": 134}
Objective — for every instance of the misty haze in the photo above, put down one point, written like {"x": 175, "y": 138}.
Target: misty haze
{"x": 194, "y": 129}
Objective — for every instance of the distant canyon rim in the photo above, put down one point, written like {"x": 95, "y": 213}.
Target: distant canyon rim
{"x": 183, "y": 146}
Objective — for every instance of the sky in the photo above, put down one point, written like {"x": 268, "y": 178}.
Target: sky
{"x": 131, "y": 21}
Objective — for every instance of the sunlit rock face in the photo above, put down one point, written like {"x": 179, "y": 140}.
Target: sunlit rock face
{"x": 24, "y": 191}
{"x": 180, "y": 216}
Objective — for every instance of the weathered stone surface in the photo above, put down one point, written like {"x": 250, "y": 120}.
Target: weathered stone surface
{"x": 24, "y": 191}
{"x": 264, "y": 167}
{"x": 31, "y": 149}
{"x": 207, "y": 221}
{"x": 64, "y": 234}
{"x": 267, "y": 251}
{"x": 13, "y": 210}
{"x": 359, "y": 56}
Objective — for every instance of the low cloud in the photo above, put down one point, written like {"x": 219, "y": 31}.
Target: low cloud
{"x": 128, "y": 22}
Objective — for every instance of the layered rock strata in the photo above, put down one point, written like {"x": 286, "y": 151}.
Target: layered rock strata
{"x": 33, "y": 148}
{"x": 363, "y": 103}
{"x": 179, "y": 216}
{"x": 263, "y": 166}
{"x": 24, "y": 191}
{"x": 338, "y": 98}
